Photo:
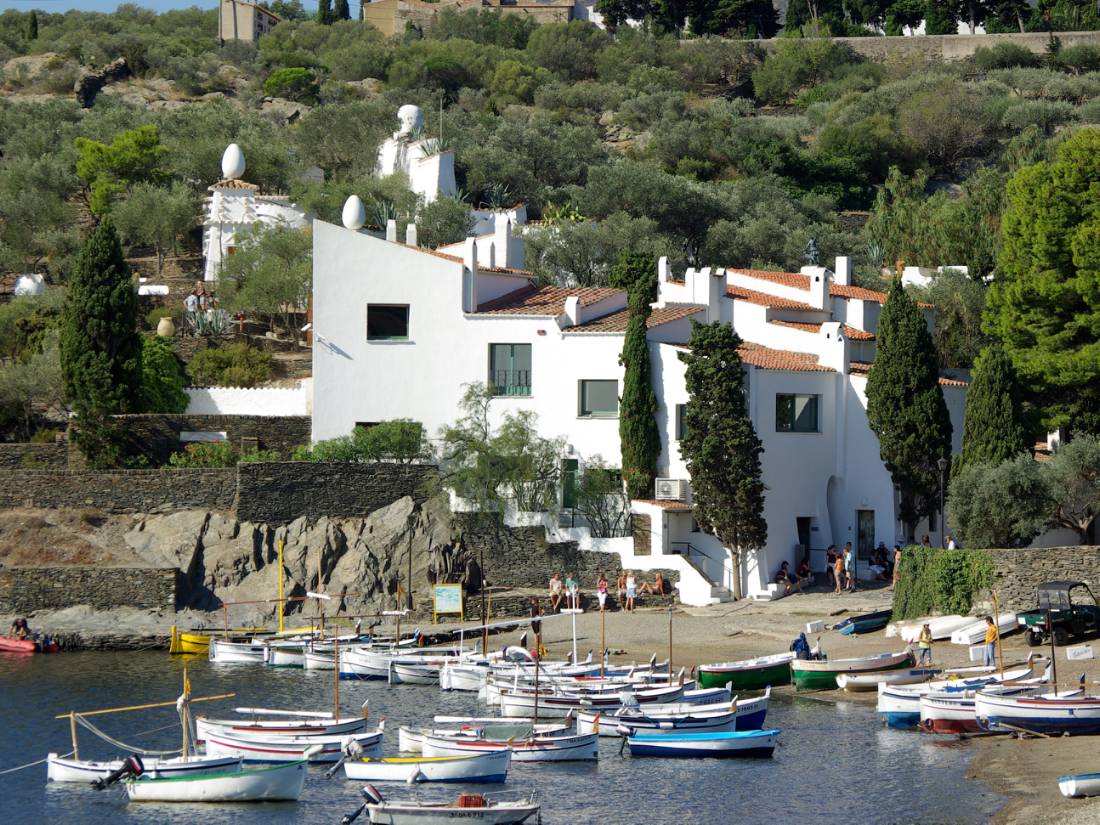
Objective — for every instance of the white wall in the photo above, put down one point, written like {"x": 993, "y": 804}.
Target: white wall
{"x": 265, "y": 401}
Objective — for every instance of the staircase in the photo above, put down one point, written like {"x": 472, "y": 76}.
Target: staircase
{"x": 719, "y": 594}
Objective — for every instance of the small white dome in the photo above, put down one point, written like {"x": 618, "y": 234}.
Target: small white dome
{"x": 354, "y": 214}
{"x": 232, "y": 162}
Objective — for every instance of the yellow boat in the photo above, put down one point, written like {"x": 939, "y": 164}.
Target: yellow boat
{"x": 188, "y": 642}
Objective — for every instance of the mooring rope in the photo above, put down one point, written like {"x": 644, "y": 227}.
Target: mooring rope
{"x": 119, "y": 744}
{"x": 32, "y": 764}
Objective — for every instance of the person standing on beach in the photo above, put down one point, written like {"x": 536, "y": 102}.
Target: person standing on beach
{"x": 631, "y": 590}
{"x": 850, "y": 567}
{"x": 838, "y": 573}
{"x": 924, "y": 645}
{"x": 555, "y": 592}
{"x": 897, "y": 566}
{"x": 620, "y": 586}
{"x": 992, "y": 634}
{"x": 601, "y": 589}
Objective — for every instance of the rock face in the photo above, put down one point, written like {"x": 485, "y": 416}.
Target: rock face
{"x": 89, "y": 81}
{"x": 361, "y": 562}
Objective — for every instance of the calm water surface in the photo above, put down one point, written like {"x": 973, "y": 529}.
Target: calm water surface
{"x": 835, "y": 763}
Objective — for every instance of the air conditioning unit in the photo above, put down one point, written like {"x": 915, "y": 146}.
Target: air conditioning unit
{"x": 671, "y": 489}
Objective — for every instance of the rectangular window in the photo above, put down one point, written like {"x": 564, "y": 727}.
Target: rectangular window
{"x": 599, "y": 399}
{"x": 510, "y": 369}
{"x": 681, "y": 421}
{"x": 387, "y": 322}
{"x": 796, "y": 413}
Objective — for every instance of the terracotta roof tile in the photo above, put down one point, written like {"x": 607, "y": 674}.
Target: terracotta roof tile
{"x": 779, "y": 359}
{"x": 616, "y": 321}
{"x": 676, "y": 506}
{"x": 857, "y": 293}
{"x": 546, "y": 301}
{"x": 799, "y": 281}
{"x": 506, "y": 270}
{"x": 858, "y": 334}
{"x": 948, "y": 381}
{"x": 864, "y": 368}
{"x": 764, "y": 299}
{"x": 805, "y": 326}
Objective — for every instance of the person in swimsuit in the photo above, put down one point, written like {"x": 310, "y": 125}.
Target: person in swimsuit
{"x": 631, "y": 590}
{"x": 555, "y": 592}
{"x": 601, "y": 589}
{"x": 620, "y": 585}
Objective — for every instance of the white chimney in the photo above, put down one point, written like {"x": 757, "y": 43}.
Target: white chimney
{"x": 492, "y": 258}
{"x": 469, "y": 276}
{"x": 391, "y": 230}
{"x": 834, "y": 349}
{"x": 843, "y": 271}
{"x": 664, "y": 271}
{"x": 819, "y": 286}
{"x": 502, "y": 239}
{"x": 410, "y": 234}
{"x": 572, "y": 311}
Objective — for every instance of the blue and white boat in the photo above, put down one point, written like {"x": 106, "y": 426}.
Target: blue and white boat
{"x": 750, "y": 743}
{"x": 679, "y": 717}
{"x": 1081, "y": 784}
{"x": 1048, "y": 713}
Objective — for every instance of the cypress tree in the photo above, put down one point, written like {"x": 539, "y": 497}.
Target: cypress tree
{"x": 32, "y": 25}
{"x": 994, "y": 429}
{"x": 720, "y": 444}
{"x": 639, "y": 439}
{"x": 100, "y": 345}
{"x": 324, "y": 12}
{"x": 341, "y": 10}
{"x": 905, "y": 407}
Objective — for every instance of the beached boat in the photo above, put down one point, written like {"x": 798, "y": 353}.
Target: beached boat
{"x": 952, "y": 713}
{"x": 63, "y": 769}
{"x": 941, "y": 627}
{"x": 974, "y": 632}
{"x": 748, "y": 674}
{"x": 12, "y": 645}
{"x": 482, "y": 809}
{"x": 188, "y": 641}
{"x": 821, "y": 674}
{"x": 865, "y": 682}
{"x": 476, "y": 767}
{"x": 865, "y": 623}
{"x": 1082, "y": 784}
{"x": 752, "y": 743}
{"x": 277, "y": 783}
{"x": 899, "y": 706}
{"x": 273, "y": 748}
{"x": 1048, "y": 713}
{"x": 531, "y": 749}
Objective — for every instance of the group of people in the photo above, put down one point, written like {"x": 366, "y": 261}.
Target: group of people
{"x": 566, "y": 592}
{"x": 200, "y": 299}
{"x": 840, "y": 568}
{"x": 794, "y": 582}
{"x": 989, "y": 650}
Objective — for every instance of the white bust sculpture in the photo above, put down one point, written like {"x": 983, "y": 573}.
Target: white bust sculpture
{"x": 430, "y": 172}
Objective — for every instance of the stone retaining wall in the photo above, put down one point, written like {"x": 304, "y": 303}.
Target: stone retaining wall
{"x": 122, "y": 491}
{"x": 158, "y": 436}
{"x": 33, "y": 456}
{"x": 25, "y": 591}
{"x": 283, "y": 491}
{"x": 1016, "y": 573}
{"x": 951, "y": 46}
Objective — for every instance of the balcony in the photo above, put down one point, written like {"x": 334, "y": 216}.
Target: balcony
{"x": 510, "y": 382}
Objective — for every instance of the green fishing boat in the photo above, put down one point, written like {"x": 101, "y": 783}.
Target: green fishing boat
{"x": 748, "y": 674}
{"x": 821, "y": 675}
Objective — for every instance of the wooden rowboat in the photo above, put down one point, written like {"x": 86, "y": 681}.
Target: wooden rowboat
{"x": 821, "y": 674}
{"x": 63, "y": 769}
{"x": 477, "y": 767}
{"x": 748, "y": 674}
{"x": 486, "y": 809}
{"x": 751, "y": 743}
{"x": 1082, "y": 784}
{"x": 865, "y": 623}
{"x": 861, "y": 682}
{"x": 540, "y": 748}
{"x": 280, "y": 782}
{"x": 269, "y": 748}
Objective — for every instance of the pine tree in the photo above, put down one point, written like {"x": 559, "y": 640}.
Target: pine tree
{"x": 32, "y": 25}
{"x": 100, "y": 345}
{"x": 341, "y": 11}
{"x": 994, "y": 429}
{"x": 720, "y": 445}
{"x": 324, "y": 12}
{"x": 905, "y": 407}
{"x": 639, "y": 438}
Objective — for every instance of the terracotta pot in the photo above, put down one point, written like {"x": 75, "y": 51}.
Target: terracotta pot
{"x": 166, "y": 328}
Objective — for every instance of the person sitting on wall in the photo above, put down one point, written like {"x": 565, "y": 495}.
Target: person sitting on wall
{"x": 556, "y": 593}
{"x": 655, "y": 589}
{"x": 785, "y": 578}
{"x": 804, "y": 574}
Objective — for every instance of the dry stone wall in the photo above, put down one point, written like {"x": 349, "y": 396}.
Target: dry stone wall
{"x": 1016, "y": 573}
{"x": 33, "y": 456}
{"x": 952, "y": 46}
{"x": 24, "y": 591}
{"x": 158, "y": 436}
{"x": 122, "y": 491}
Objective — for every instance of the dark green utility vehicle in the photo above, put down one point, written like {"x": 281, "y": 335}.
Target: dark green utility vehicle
{"x": 1065, "y": 609}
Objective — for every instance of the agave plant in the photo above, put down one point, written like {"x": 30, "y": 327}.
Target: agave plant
{"x": 380, "y": 213}
{"x": 497, "y": 196}
{"x": 210, "y": 322}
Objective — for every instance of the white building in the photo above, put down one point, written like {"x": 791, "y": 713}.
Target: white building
{"x": 399, "y": 330}
{"x": 235, "y": 208}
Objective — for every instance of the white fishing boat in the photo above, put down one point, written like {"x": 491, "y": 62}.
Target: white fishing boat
{"x": 483, "y": 809}
{"x": 559, "y": 704}
{"x": 422, "y": 672}
{"x": 319, "y": 660}
{"x": 411, "y": 740}
{"x": 1081, "y": 784}
{"x": 752, "y": 743}
{"x": 1051, "y": 713}
{"x": 742, "y": 714}
{"x": 531, "y": 749}
{"x": 463, "y": 676}
{"x": 277, "y": 783}
{"x": 477, "y": 767}
{"x": 974, "y": 632}
{"x": 227, "y": 652}
{"x": 865, "y": 682}
{"x": 941, "y": 626}
{"x": 275, "y": 748}
{"x": 286, "y": 656}
{"x": 259, "y": 722}
{"x": 63, "y": 769}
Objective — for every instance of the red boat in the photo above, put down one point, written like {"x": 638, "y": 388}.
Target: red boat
{"x": 10, "y": 645}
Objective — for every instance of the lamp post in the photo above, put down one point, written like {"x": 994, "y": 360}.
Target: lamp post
{"x": 942, "y": 464}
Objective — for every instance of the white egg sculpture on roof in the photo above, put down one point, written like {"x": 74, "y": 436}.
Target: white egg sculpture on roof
{"x": 232, "y": 162}
{"x": 354, "y": 214}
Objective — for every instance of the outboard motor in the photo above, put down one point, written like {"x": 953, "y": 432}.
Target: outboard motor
{"x": 372, "y": 797}
{"x": 131, "y": 766}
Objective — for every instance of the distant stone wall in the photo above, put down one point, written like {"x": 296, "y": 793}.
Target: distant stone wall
{"x": 283, "y": 491}
{"x": 158, "y": 436}
{"x": 33, "y": 456}
{"x": 952, "y": 46}
{"x": 1016, "y": 573}
{"x": 25, "y": 591}
{"x": 122, "y": 491}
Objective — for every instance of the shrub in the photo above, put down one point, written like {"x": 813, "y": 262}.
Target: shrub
{"x": 45, "y": 435}
{"x": 237, "y": 365}
{"x": 293, "y": 83}
{"x": 940, "y": 581}
{"x": 205, "y": 455}
{"x": 1046, "y": 115}
{"x": 1004, "y": 56}
{"x": 1079, "y": 59}
{"x": 1090, "y": 112}
{"x": 400, "y": 440}
{"x": 257, "y": 456}
{"x": 161, "y": 378}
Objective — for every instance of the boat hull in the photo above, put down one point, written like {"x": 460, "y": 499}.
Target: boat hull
{"x": 750, "y": 744}
{"x": 753, "y": 678}
{"x": 482, "y": 767}
{"x": 1085, "y": 784}
{"x": 582, "y": 747}
{"x": 60, "y": 769}
{"x": 1039, "y": 715}
{"x": 395, "y": 814}
{"x": 279, "y": 783}
{"x": 289, "y": 749}
{"x": 821, "y": 675}
{"x": 237, "y": 653}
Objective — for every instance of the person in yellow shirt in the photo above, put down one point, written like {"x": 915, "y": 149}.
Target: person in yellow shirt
{"x": 991, "y": 637}
{"x": 924, "y": 645}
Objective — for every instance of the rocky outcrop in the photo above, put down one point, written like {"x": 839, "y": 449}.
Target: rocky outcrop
{"x": 90, "y": 81}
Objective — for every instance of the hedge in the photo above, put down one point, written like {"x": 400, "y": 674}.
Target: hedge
{"x": 935, "y": 581}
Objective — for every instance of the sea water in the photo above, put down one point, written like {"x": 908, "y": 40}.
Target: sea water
{"x": 835, "y": 762}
